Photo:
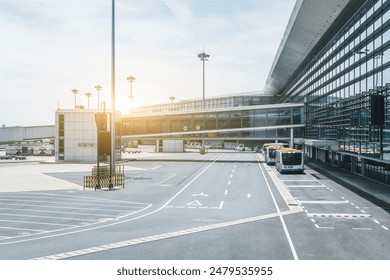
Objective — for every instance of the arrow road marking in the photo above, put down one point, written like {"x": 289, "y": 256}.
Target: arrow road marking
{"x": 201, "y": 194}
{"x": 194, "y": 203}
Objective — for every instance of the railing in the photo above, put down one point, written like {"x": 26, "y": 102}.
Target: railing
{"x": 104, "y": 180}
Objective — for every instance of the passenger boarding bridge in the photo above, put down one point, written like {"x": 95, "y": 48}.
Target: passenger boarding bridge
{"x": 282, "y": 122}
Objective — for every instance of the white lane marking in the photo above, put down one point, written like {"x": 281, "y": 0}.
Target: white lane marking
{"x": 229, "y": 182}
{"x": 37, "y": 223}
{"x": 71, "y": 197}
{"x": 299, "y": 180}
{"x": 319, "y": 227}
{"x": 200, "y": 194}
{"x": 362, "y": 228}
{"x": 338, "y": 215}
{"x": 194, "y": 203}
{"x": 55, "y": 212}
{"x": 124, "y": 220}
{"x": 376, "y": 221}
{"x": 249, "y": 195}
{"x": 173, "y": 175}
{"x": 385, "y": 228}
{"x": 231, "y": 175}
{"x": 313, "y": 220}
{"x": 220, "y": 206}
{"x": 226, "y": 192}
{"x": 324, "y": 201}
{"x": 62, "y": 207}
{"x": 305, "y": 186}
{"x": 35, "y": 202}
{"x": 161, "y": 236}
{"x": 47, "y": 217}
{"x": 25, "y": 229}
{"x": 293, "y": 251}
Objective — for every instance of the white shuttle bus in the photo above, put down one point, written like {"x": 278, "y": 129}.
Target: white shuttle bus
{"x": 289, "y": 160}
{"x": 270, "y": 152}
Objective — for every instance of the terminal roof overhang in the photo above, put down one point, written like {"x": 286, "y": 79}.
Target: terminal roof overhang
{"x": 308, "y": 23}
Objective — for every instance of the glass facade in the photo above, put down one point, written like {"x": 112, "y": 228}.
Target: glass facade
{"x": 337, "y": 85}
{"x": 257, "y": 122}
{"x": 238, "y": 100}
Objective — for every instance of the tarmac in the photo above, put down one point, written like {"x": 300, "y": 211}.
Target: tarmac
{"x": 33, "y": 174}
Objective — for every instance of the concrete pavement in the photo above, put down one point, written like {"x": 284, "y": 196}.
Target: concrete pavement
{"x": 31, "y": 175}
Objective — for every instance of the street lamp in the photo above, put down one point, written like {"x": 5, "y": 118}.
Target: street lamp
{"x": 88, "y": 95}
{"x": 75, "y": 92}
{"x": 98, "y": 88}
{"x": 131, "y": 79}
{"x": 203, "y": 57}
{"x": 172, "y": 98}
{"x": 112, "y": 126}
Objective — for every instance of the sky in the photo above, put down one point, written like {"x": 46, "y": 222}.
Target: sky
{"x": 49, "y": 47}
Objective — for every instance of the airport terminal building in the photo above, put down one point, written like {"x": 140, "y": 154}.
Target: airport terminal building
{"x": 327, "y": 93}
{"x": 334, "y": 56}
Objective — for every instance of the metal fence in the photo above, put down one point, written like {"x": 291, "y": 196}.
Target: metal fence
{"x": 104, "y": 180}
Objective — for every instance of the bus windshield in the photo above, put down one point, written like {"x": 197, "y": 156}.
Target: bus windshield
{"x": 271, "y": 152}
{"x": 292, "y": 158}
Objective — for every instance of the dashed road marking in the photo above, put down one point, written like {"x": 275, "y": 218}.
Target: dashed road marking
{"x": 323, "y": 201}
{"x": 338, "y": 215}
{"x": 173, "y": 175}
{"x": 319, "y": 227}
{"x": 305, "y": 186}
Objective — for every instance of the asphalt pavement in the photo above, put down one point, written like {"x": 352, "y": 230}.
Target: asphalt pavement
{"x": 221, "y": 205}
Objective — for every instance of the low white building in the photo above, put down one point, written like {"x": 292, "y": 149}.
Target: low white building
{"x": 76, "y": 136}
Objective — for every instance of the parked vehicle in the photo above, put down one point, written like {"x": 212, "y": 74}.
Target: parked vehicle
{"x": 289, "y": 160}
{"x": 273, "y": 144}
{"x": 270, "y": 154}
{"x": 240, "y": 148}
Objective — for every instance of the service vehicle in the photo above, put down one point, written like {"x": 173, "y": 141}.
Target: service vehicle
{"x": 289, "y": 160}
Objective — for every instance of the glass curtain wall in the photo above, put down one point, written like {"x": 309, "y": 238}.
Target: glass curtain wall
{"x": 338, "y": 83}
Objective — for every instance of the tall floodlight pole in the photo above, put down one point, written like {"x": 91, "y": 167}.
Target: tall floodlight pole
{"x": 88, "y": 95}
{"x": 131, "y": 79}
{"x": 98, "y": 88}
{"x": 203, "y": 57}
{"x": 75, "y": 92}
{"x": 112, "y": 158}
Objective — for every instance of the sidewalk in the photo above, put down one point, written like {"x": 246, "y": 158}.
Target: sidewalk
{"x": 376, "y": 192}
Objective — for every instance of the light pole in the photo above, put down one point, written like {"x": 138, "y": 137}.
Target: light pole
{"x": 203, "y": 57}
{"x": 75, "y": 92}
{"x": 131, "y": 79}
{"x": 98, "y": 88}
{"x": 112, "y": 157}
{"x": 88, "y": 95}
{"x": 172, "y": 98}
